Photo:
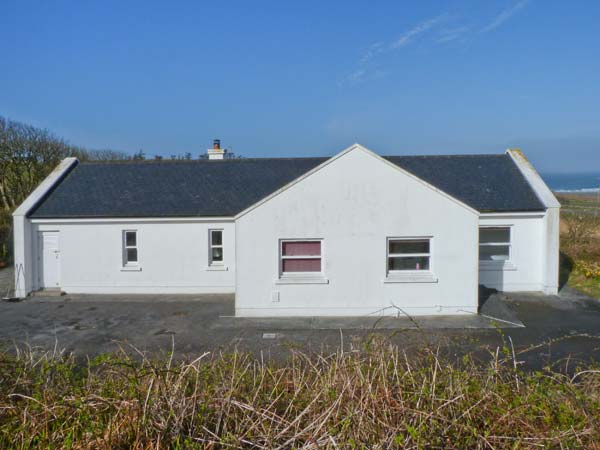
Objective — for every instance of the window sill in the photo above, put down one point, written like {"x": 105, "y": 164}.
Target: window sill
{"x": 217, "y": 268}
{"x": 411, "y": 277}
{"x": 302, "y": 280}
{"x": 497, "y": 265}
{"x": 131, "y": 269}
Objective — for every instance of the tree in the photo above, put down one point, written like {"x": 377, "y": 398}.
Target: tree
{"x": 139, "y": 155}
{"x": 27, "y": 155}
{"x": 101, "y": 155}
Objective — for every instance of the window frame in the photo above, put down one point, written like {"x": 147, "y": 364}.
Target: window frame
{"x": 125, "y": 247}
{"x": 388, "y": 255}
{"x": 211, "y": 262}
{"x": 500, "y": 262}
{"x": 292, "y": 275}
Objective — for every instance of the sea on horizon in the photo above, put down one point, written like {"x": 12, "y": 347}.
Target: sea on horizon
{"x": 572, "y": 182}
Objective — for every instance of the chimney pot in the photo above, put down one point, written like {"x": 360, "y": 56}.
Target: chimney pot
{"x": 216, "y": 152}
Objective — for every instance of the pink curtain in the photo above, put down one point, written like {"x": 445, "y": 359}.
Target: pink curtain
{"x": 301, "y": 265}
{"x": 302, "y": 248}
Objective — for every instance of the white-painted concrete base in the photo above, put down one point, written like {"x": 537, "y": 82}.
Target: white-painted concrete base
{"x": 153, "y": 289}
{"x": 355, "y": 312}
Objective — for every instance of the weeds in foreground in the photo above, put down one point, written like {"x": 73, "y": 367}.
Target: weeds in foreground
{"x": 374, "y": 398}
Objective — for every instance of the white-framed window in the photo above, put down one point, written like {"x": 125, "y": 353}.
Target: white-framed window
{"x": 494, "y": 244}
{"x": 215, "y": 244}
{"x": 300, "y": 257}
{"x": 408, "y": 255}
{"x": 130, "y": 248}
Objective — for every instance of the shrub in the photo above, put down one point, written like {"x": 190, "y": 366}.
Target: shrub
{"x": 376, "y": 398}
{"x": 588, "y": 269}
{"x": 5, "y": 237}
{"x": 580, "y": 238}
{"x": 580, "y": 228}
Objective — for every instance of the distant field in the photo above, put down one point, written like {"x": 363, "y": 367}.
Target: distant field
{"x": 585, "y": 203}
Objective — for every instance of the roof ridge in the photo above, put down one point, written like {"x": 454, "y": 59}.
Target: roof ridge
{"x": 286, "y": 158}
{"x": 453, "y": 155}
{"x": 199, "y": 161}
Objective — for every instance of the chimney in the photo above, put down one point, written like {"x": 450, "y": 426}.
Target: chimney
{"x": 216, "y": 152}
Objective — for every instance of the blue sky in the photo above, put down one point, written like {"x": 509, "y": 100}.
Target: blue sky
{"x": 310, "y": 78}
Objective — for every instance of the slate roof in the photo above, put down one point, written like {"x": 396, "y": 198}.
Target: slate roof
{"x": 487, "y": 183}
{"x": 224, "y": 188}
{"x": 170, "y": 188}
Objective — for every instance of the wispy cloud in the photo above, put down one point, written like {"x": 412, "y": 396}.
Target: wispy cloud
{"x": 366, "y": 70}
{"x": 438, "y": 30}
{"x": 415, "y": 31}
{"x": 372, "y": 51}
{"x": 452, "y": 34}
{"x": 356, "y": 75}
{"x": 362, "y": 74}
{"x": 504, "y": 16}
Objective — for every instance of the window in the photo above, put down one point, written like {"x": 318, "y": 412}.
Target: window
{"x": 130, "y": 250}
{"x": 408, "y": 254}
{"x": 215, "y": 238}
{"x": 494, "y": 244}
{"x": 300, "y": 256}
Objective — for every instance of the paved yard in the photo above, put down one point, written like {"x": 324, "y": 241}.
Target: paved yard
{"x": 556, "y": 328}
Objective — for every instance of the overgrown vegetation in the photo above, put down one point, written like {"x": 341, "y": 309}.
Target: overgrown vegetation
{"x": 373, "y": 398}
{"x": 580, "y": 244}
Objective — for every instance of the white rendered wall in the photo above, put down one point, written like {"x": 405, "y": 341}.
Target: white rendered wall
{"x": 173, "y": 257}
{"x": 551, "y": 250}
{"x": 23, "y": 245}
{"x": 22, "y": 256}
{"x": 353, "y": 204}
{"x": 526, "y": 269}
{"x": 549, "y": 231}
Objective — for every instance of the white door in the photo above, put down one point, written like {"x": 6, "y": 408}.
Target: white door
{"x": 49, "y": 259}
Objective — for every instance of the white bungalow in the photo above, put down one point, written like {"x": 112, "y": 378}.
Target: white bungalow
{"x": 354, "y": 234}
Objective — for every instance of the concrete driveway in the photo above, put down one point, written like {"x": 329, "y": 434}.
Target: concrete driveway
{"x": 556, "y": 328}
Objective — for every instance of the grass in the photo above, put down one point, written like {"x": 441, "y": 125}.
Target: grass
{"x": 375, "y": 398}
{"x": 587, "y": 285}
{"x": 580, "y": 243}
{"x": 579, "y": 202}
